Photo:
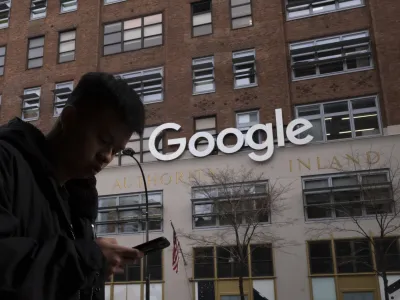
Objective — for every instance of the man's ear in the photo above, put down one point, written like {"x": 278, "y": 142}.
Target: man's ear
{"x": 68, "y": 117}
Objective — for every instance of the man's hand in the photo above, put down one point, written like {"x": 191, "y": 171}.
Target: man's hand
{"x": 117, "y": 256}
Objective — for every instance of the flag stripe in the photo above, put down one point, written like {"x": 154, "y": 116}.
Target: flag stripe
{"x": 175, "y": 253}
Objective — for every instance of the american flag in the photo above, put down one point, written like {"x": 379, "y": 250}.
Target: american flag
{"x": 175, "y": 254}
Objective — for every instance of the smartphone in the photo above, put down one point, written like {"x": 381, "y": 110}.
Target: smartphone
{"x": 153, "y": 245}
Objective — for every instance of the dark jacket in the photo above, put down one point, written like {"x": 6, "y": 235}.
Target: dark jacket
{"x": 47, "y": 247}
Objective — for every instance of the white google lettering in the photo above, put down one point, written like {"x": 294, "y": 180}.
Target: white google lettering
{"x": 291, "y": 133}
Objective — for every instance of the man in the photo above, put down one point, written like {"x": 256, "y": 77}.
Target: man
{"x": 48, "y": 198}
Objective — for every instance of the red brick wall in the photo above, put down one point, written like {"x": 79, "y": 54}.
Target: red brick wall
{"x": 269, "y": 35}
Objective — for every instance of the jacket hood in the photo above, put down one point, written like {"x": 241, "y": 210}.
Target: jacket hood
{"x": 32, "y": 144}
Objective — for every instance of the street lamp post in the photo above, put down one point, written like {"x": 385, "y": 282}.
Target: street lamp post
{"x": 130, "y": 152}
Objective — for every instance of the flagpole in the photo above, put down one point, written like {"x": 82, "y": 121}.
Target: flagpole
{"x": 180, "y": 248}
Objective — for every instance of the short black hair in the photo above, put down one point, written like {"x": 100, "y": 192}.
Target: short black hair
{"x": 99, "y": 90}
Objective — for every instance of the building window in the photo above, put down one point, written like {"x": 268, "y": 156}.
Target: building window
{"x": 390, "y": 260}
{"x": 228, "y": 265}
{"x": 5, "y": 7}
{"x": 35, "y": 52}
{"x": 203, "y": 263}
{"x": 202, "y": 18}
{"x": 126, "y": 214}
{"x": 321, "y": 258}
{"x": 38, "y": 9}
{"x": 134, "y": 34}
{"x": 227, "y": 258}
{"x": 245, "y": 120}
{"x": 68, "y": 5}
{"x": 148, "y": 84}
{"x": 346, "y": 195}
{"x": 67, "y": 46}
{"x": 203, "y": 75}
{"x": 205, "y": 124}
{"x": 331, "y": 55}
{"x": 112, "y": 1}
{"x": 298, "y": 9}
{"x": 241, "y": 13}
{"x": 261, "y": 260}
{"x": 212, "y": 206}
{"x": 2, "y": 59}
{"x": 358, "y": 295}
{"x": 133, "y": 272}
{"x": 344, "y": 119}
{"x": 353, "y": 256}
{"x": 31, "y": 104}
{"x": 244, "y": 68}
{"x": 61, "y": 94}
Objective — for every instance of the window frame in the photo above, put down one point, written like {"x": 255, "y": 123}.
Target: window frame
{"x": 109, "y": 2}
{"x": 245, "y": 129}
{"x": 62, "y": 6}
{"x": 29, "y": 48}
{"x": 238, "y": 60}
{"x": 128, "y": 77}
{"x": 337, "y": 9}
{"x": 44, "y": 14}
{"x": 3, "y": 67}
{"x": 28, "y": 91}
{"x": 192, "y": 4}
{"x": 139, "y": 207}
{"x": 59, "y": 104}
{"x": 60, "y": 43}
{"x": 206, "y": 67}
{"x": 203, "y": 141}
{"x": 351, "y": 112}
{"x": 367, "y": 40}
{"x": 4, "y": 10}
{"x": 331, "y": 189}
{"x": 215, "y": 214}
{"x": 142, "y": 33}
{"x": 231, "y": 7}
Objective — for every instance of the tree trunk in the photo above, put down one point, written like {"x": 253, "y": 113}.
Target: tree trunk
{"x": 385, "y": 285}
{"x": 241, "y": 288}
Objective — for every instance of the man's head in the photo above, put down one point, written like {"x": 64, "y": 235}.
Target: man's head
{"x": 98, "y": 120}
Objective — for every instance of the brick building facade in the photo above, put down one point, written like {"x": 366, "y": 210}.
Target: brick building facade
{"x": 211, "y": 65}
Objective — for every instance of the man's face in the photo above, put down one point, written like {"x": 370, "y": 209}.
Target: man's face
{"x": 94, "y": 141}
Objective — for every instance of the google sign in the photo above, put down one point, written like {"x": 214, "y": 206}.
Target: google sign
{"x": 294, "y": 128}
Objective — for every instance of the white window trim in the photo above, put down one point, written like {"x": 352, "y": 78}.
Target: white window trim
{"x": 350, "y": 110}
{"x": 44, "y": 11}
{"x": 64, "y": 11}
{"x": 109, "y": 2}
{"x": 140, "y": 206}
{"x": 345, "y": 71}
{"x": 236, "y": 54}
{"x": 321, "y": 13}
{"x": 329, "y": 178}
{"x": 58, "y": 86}
{"x": 7, "y": 24}
{"x": 130, "y": 75}
{"x": 34, "y": 90}
{"x": 206, "y": 59}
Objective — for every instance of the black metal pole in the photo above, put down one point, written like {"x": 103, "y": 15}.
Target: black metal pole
{"x": 130, "y": 152}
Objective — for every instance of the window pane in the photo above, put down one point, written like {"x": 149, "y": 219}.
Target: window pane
{"x": 34, "y": 53}
{"x": 112, "y": 49}
{"x": 202, "y": 30}
{"x": 69, "y": 56}
{"x": 112, "y": 38}
{"x": 312, "y": 110}
{"x": 366, "y": 124}
{"x": 153, "y": 30}
{"x": 65, "y": 36}
{"x": 344, "y": 181}
{"x": 315, "y": 131}
{"x": 36, "y": 42}
{"x": 112, "y": 27}
{"x": 345, "y": 4}
{"x": 153, "y": 19}
{"x": 336, "y": 107}
{"x": 34, "y": 63}
{"x": 338, "y": 127}
{"x": 67, "y": 46}
{"x": 132, "y": 45}
{"x": 132, "y": 34}
{"x": 202, "y": 19}
{"x": 238, "y": 2}
{"x": 363, "y": 103}
{"x": 358, "y": 296}
{"x": 241, "y": 11}
{"x": 152, "y": 41}
{"x": 135, "y": 23}
{"x": 320, "y": 258}
{"x": 242, "y": 22}
{"x": 324, "y": 288}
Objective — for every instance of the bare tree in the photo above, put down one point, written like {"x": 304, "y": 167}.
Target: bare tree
{"x": 369, "y": 207}
{"x": 241, "y": 200}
